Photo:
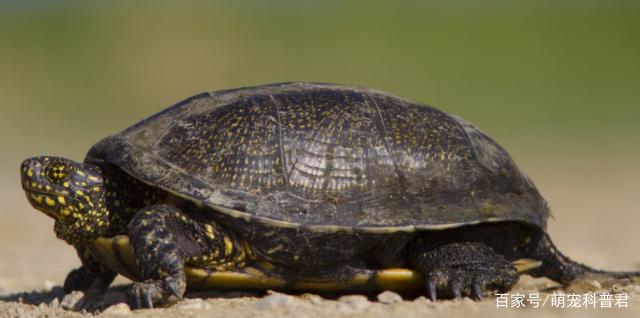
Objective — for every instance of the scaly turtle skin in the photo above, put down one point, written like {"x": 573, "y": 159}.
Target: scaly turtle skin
{"x": 298, "y": 186}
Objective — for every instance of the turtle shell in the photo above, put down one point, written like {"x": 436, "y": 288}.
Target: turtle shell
{"x": 326, "y": 156}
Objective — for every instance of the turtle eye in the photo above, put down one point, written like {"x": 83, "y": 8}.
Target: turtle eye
{"x": 58, "y": 172}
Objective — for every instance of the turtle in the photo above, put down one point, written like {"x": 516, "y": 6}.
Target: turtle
{"x": 300, "y": 186}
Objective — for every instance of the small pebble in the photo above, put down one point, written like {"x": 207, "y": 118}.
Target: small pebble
{"x": 312, "y": 298}
{"x": 421, "y": 299}
{"x": 55, "y": 303}
{"x": 274, "y": 300}
{"x": 389, "y": 297}
{"x": 357, "y": 302}
{"x": 48, "y": 285}
{"x": 583, "y": 285}
{"x": 72, "y": 301}
{"x": 120, "y": 309}
{"x": 624, "y": 289}
{"x": 192, "y": 303}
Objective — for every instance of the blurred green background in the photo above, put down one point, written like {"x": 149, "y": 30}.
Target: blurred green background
{"x": 555, "y": 82}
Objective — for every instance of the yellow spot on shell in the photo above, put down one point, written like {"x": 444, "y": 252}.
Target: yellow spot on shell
{"x": 49, "y": 201}
{"x": 66, "y": 184}
{"x": 62, "y": 200}
{"x": 30, "y": 173}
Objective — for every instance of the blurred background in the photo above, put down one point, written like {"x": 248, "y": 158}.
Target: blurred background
{"x": 555, "y": 82}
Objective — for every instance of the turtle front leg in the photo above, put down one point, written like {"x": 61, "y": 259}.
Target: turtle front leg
{"x": 456, "y": 269}
{"x": 163, "y": 239}
{"x": 91, "y": 275}
{"x": 158, "y": 257}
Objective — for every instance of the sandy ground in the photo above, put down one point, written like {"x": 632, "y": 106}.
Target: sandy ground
{"x": 594, "y": 221}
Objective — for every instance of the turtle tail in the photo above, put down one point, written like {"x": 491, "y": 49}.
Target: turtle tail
{"x": 564, "y": 270}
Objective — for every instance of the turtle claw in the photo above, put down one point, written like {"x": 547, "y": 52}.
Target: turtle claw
{"x": 144, "y": 294}
{"x": 135, "y": 302}
{"x": 148, "y": 303}
{"x": 431, "y": 289}
{"x": 173, "y": 287}
{"x": 159, "y": 292}
{"x": 455, "y": 289}
{"x": 141, "y": 295}
{"x": 476, "y": 291}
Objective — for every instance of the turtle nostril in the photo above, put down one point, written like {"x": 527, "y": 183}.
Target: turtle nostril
{"x": 25, "y": 166}
{"x": 30, "y": 171}
{"x": 29, "y": 167}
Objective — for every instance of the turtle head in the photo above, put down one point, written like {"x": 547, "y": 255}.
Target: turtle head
{"x": 70, "y": 192}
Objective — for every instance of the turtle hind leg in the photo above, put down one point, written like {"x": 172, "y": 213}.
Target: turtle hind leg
{"x": 560, "y": 268}
{"x": 456, "y": 269}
